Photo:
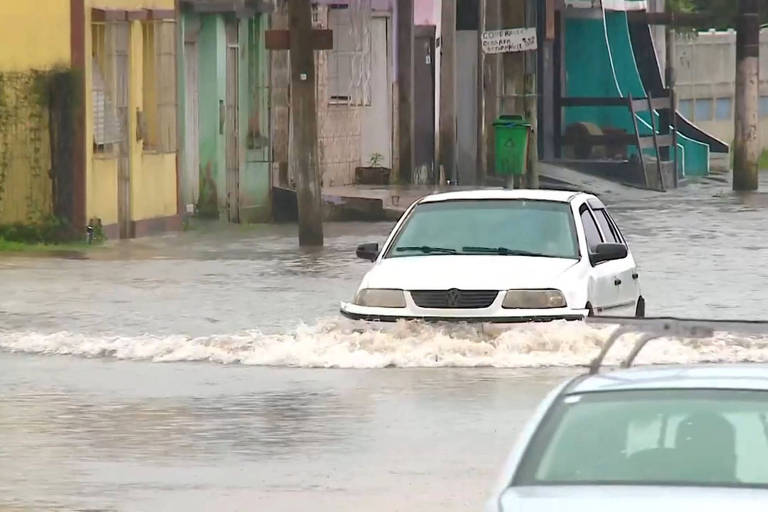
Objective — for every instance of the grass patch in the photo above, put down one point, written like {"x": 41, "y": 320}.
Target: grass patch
{"x": 14, "y": 246}
{"x": 762, "y": 163}
{"x": 50, "y": 234}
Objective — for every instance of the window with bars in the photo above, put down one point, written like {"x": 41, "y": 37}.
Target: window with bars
{"x": 107, "y": 129}
{"x": 158, "y": 122}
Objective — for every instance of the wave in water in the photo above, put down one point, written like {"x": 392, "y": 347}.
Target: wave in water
{"x": 338, "y": 343}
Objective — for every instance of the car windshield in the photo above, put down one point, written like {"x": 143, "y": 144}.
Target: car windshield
{"x": 503, "y": 227}
{"x": 663, "y": 437}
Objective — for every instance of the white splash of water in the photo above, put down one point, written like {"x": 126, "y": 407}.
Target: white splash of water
{"x": 338, "y": 343}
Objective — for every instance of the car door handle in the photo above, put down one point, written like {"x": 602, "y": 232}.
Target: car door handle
{"x": 617, "y": 282}
{"x": 635, "y": 276}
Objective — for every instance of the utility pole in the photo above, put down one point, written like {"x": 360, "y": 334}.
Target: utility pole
{"x": 405, "y": 88}
{"x": 531, "y": 100}
{"x": 447, "y": 156}
{"x": 303, "y": 143}
{"x": 481, "y": 157}
{"x": 746, "y": 145}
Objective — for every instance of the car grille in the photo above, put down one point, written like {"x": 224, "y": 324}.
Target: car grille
{"x": 454, "y": 299}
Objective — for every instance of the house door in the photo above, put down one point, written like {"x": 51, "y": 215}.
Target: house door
{"x": 376, "y": 136}
{"x": 121, "y": 41}
{"x": 232, "y": 124}
{"x": 424, "y": 105}
{"x": 191, "y": 179}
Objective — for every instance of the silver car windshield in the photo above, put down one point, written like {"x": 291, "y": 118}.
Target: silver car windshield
{"x": 664, "y": 437}
{"x": 496, "y": 227}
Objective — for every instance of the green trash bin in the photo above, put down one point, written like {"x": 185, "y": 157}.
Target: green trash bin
{"x": 511, "y": 135}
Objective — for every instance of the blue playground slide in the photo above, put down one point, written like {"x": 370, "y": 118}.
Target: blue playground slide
{"x": 600, "y": 62}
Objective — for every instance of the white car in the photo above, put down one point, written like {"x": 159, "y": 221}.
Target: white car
{"x": 500, "y": 256}
{"x": 666, "y": 438}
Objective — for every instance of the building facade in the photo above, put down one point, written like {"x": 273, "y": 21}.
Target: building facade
{"x": 99, "y": 140}
{"x": 224, "y": 107}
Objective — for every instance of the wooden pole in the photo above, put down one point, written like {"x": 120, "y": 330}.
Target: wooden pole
{"x": 405, "y": 89}
{"x": 447, "y": 156}
{"x": 746, "y": 143}
{"x": 670, "y": 82}
{"x": 303, "y": 143}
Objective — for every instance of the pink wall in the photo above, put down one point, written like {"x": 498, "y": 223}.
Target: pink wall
{"x": 424, "y": 12}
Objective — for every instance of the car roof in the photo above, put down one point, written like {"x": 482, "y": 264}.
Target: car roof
{"x": 563, "y": 196}
{"x": 734, "y": 377}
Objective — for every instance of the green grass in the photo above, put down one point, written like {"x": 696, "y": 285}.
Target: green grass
{"x": 762, "y": 163}
{"x": 13, "y": 246}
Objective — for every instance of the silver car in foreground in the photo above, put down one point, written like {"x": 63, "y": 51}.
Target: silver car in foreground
{"x": 644, "y": 439}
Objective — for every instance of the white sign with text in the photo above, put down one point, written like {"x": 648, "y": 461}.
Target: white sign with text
{"x": 509, "y": 40}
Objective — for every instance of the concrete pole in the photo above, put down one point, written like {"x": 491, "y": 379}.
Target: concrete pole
{"x": 405, "y": 109}
{"x": 480, "y": 158}
{"x": 531, "y": 99}
{"x": 303, "y": 144}
{"x": 447, "y": 156}
{"x": 746, "y": 143}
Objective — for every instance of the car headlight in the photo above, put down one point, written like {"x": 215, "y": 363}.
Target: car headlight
{"x": 380, "y": 298}
{"x": 534, "y": 299}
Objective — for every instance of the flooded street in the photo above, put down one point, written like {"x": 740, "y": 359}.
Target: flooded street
{"x": 210, "y": 370}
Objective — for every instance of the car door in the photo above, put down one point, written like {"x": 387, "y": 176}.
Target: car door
{"x": 624, "y": 270}
{"x": 603, "y": 292}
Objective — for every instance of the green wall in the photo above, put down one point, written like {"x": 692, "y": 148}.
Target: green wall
{"x": 212, "y": 90}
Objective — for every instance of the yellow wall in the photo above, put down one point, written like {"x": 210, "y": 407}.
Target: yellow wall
{"x": 153, "y": 186}
{"x": 25, "y": 152}
{"x": 34, "y": 34}
{"x": 153, "y": 175}
{"x": 101, "y": 191}
{"x": 34, "y": 37}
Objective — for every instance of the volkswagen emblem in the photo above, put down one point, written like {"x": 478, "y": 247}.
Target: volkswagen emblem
{"x": 453, "y": 296}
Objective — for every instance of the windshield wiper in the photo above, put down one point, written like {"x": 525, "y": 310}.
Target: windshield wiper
{"x": 426, "y": 249}
{"x": 503, "y": 251}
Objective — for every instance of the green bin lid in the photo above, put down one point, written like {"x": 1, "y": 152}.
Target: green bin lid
{"x": 511, "y": 120}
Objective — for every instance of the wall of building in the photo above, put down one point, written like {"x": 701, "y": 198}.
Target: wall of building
{"x": 340, "y": 124}
{"x": 23, "y": 45}
{"x": 208, "y": 31}
{"x": 706, "y": 74}
{"x": 153, "y": 174}
{"x": 255, "y": 184}
{"x": 31, "y": 53}
{"x": 212, "y": 90}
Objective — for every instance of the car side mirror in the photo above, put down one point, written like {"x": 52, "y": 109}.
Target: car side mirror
{"x": 368, "y": 251}
{"x": 608, "y": 252}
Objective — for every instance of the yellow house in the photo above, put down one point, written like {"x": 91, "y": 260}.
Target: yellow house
{"x": 117, "y": 162}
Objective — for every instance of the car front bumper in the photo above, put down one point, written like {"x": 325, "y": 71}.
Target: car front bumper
{"x": 485, "y": 315}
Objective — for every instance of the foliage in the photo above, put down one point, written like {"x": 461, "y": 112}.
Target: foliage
{"x": 724, "y": 12}
{"x": 375, "y": 160}
{"x": 50, "y": 230}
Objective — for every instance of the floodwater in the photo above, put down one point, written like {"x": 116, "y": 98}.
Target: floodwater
{"x": 209, "y": 370}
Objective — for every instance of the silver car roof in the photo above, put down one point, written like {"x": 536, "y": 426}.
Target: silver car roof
{"x": 734, "y": 377}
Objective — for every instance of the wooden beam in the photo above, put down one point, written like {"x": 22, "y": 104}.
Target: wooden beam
{"x": 683, "y": 19}
{"x": 162, "y": 14}
{"x": 104, "y": 15}
{"x": 593, "y": 102}
{"x": 140, "y": 14}
{"x": 280, "y": 39}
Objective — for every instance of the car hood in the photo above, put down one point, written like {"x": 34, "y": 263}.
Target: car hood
{"x": 630, "y": 499}
{"x": 467, "y": 272}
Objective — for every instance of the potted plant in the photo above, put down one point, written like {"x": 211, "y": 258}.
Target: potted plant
{"x": 374, "y": 173}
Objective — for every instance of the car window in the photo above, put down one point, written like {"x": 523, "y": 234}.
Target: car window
{"x": 590, "y": 230}
{"x": 477, "y": 227}
{"x": 664, "y": 437}
{"x": 605, "y": 226}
